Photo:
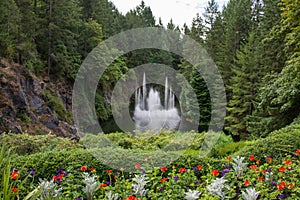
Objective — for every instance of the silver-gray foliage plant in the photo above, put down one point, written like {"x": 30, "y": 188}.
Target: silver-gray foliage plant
{"x": 139, "y": 187}
{"x": 250, "y": 194}
{"x": 239, "y": 166}
{"x": 111, "y": 196}
{"x": 217, "y": 187}
{"x": 91, "y": 185}
{"x": 192, "y": 194}
{"x": 48, "y": 190}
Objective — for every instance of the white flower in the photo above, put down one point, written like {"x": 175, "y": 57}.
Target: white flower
{"x": 251, "y": 194}
{"x": 192, "y": 195}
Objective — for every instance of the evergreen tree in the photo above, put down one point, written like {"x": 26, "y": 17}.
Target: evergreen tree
{"x": 244, "y": 85}
{"x": 280, "y": 96}
{"x": 237, "y": 20}
{"x": 8, "y": 28}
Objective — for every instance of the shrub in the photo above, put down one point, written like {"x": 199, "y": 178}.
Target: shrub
{"x": 278, "y": 144}
{"x": 23, "y": 144}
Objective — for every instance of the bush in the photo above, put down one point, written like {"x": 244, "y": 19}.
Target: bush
{"x": 278, "y": 144}
{"x": 23, "y": 144}
{"x": 227, "y": 149}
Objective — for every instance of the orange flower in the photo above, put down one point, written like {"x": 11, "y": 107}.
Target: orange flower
{"x": 163, "y": 179}
{"x": 251, "y": 157}
{"x": 182, "y": 170}
{"x": 215, "y": 172}
{"x": 270, "y": 159}
{"x": 281, "y": 169}
{"x": 115, "y": 178}
{"x": 288, "y": 162}
{"x": 137, "y": 166}
{"x": 264, "y": 171}
{"x": 257, "y": 162}
{"x": 102, "y": 185}
{"x": 83, "y": 168}
{"x": 14, "y": 189}
{"x": 199, "y": 167}
{"x": 163, "y": 169}
{"x": 246, "y": 183}
{"x": 109, "y": 171}
{"x": 14, "y": 174}
{"x": 228, "y": 158}
{"x": 260, "y": 178}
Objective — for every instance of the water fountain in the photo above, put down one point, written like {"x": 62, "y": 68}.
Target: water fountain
{"x": 150, "y": 114}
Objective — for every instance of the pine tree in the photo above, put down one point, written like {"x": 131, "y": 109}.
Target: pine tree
{"x": 8, "y": 28}
{"x": 237, "y": 20}
{"x": 280, "y": 96}
{"x": 244, "y": 85}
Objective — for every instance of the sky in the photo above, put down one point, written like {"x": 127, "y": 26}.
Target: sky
{"x": 180, "y": 11}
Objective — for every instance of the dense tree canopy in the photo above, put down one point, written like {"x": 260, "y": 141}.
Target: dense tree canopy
{"x": 255, "y": 44}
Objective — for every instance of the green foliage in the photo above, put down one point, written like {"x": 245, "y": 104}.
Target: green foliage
{"x": 243, "y": 86}
{"x": 280, "y": 143}
{"x": 23, "y": 144}
{"x": 56, "y": 104}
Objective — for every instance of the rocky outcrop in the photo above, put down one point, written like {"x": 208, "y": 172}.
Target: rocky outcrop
{"x": 32, "y": 104}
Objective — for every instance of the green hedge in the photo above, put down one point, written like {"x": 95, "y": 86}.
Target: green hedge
{"x": 278, "y": 144}
{"x": 23, "y": 144}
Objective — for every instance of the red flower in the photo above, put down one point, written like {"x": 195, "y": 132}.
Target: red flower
{"x": 137, "y": 166}
{"x": 281, "y": 169}
{"x": 199, "y": 167}
{"x": 83, "y": 168}
{"x": 264, "y": 171}
{"x": 102, "y": 185}
{"x": 251, "y": 157}
{"x": 297, "y": 152}
{"x": 163, "y": 169}
{"x": 257, "y": 162}
{"x": 281, "y": 185}
{"x": 291, "y": 185}
{"x": 182, "y": 170}
{"x": 246, "y": 183}
{"x": 54, "y": 178}
{"x": 92, "y": 169}
{"x": 260, "y": 178}
{"x": 14, "y": 189}
{"x": 131, "y": 198}
{"x": 228, "y": 158}
{"x": 115, "y": 178}
{"x": 253, "y": 166}
{"x": 60, "y": 176}
{"x": 215, "y": 172}
{"x": 14, "y": 174}
{"x": 270, "y": 159}
{"x": 288, "y": 162}
{"x": 163, "y": 179}
{"x": 109, "y": 171}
